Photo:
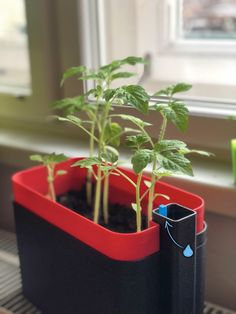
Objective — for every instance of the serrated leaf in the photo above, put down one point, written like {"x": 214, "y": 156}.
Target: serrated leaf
{"x": 147, "y": 183}
{"x": 55, "y": 158}
{"x": 180, "y": 88}
{"x": 37, "y": 158}
{"x": 110, "y": 155}
{"x": 141, "y": 159}
{"x": 71, "y": 72}
{"x": 174, "y": 162}
{"x": 140, "y": 123}
{"x": 136, "y": 141}
{"x": 170, "y": 90}
{"x": 176, "y": 112}
{"x": 109, "y": 94}
{"x": 166, "y": 145}
{"x": 134, "y": 95}
{"x": 119, "y": 75}
{"x": 61, "y": 172}
{"x": 70, "y": 105}
{"x": 87, "y": 162}
{"x": 181, "y": 115}
{"x": 112, "y": 133}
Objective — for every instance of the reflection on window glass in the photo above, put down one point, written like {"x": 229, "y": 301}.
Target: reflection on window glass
{"x": 14, "y": 58}
{"x": 209, "y": 19}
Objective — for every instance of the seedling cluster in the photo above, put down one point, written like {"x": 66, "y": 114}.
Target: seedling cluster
{"x": 166, "y": 157}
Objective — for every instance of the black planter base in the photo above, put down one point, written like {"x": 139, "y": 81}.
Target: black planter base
{"x": 61, "y": 275}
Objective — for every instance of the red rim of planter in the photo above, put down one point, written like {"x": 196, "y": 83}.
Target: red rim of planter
{"x": 30, "y": 188}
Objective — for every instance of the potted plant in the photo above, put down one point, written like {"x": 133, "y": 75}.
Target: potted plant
{"x": 95, "y": 249}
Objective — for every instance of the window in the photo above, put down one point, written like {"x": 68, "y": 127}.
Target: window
{"x": 14, "y": 57}
{"x": 207, "y": 20}
{"x": 159, "y": 28}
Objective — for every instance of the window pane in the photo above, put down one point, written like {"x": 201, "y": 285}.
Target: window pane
{"x": 209, "y": 19}
{"x": 14, "y": 59}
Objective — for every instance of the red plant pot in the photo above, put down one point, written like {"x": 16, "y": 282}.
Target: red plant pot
{"x": 135, "y": 252}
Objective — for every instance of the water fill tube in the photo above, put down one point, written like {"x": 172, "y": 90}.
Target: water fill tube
{"x": 178, "y": 259}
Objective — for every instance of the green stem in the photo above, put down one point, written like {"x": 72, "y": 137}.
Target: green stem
{"x": 151, "y": 195}
{"x": 138, "y": 203}
{"x": 97, "y": 195}
{"x": 126, "y": 177}
{"x": 151, "y": 192}
{"x": 90, "y": 172}
{"x": 106, "y": 179}
{"x": 99, "y": 172}
{"x": 51, "y": 188}
{"x": 105, "y": 198}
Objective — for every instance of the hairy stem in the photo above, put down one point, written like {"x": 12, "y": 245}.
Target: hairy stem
{"x": 106, "y": 179}
{"x": 90, "y": 172}
{"x": 151, "y": 195}
{"x": 105, "y": 198}
{"x": 51, "y": 188}
{"x": 97, "y": 195}
{"x": 151, "y": 192}
{"x": 138, "y": 203}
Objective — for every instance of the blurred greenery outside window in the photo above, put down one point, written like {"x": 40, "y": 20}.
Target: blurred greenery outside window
{"x": 14, "y": 56}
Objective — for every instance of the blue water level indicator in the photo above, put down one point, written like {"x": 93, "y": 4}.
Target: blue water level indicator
{"x": 188, "y": 252}
{"x": 163, "y": 210}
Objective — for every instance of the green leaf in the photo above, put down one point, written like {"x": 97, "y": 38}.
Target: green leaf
{"x": 140, "y": 123}
{"x": 185, "y": 151}
{"x": 70, "y": 105}
{"x": 122, "y": 75}
{"x": 160, "y": 172}
{"x": 127, "y": 130}
{"x": 72, "y": 119}
{"x": 166, "y": 145}
{"x": 72, "y": 72}
{"x": 136, "y": 141}
{"x": 141, "y": 159}
{"x": 109, "y": 94}
{"x": 37, "y": 158}
{"x": 49, "y": 158}
{"x": 110, "y": 155}
{"x": 132, "y": 60}
{"x": 176, "y": 112}
{"x": 180, "y": 88}
{"x": 147, "y": 183}
{"x": 61, "y": 172}
{"x": 87, "y": 162}
{"x": 112, "y": 133}
{"x": 175, "y": 162}
{"x": 134, "y": 95}
{"x": 174, "y": 89}
{"x": 55, "y": 158}
{"x": 181, "y": 115}
{"x": 163, "y": 92}
{"x": 134, "y": 206}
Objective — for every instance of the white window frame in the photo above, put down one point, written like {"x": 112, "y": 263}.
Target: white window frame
{"x": 52, "y": 27}
{"x": 210, "y": 127}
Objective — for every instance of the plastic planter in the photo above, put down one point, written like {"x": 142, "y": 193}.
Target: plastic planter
{"x": 71, "y": 265}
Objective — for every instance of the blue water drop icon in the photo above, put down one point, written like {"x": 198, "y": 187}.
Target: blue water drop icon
{"x": 188, "y": 252}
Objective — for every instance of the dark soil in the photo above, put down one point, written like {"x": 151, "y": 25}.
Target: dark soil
{"x": 121, "y": 218}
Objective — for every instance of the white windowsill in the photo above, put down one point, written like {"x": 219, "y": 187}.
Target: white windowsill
{"x": 213, "y": 179}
